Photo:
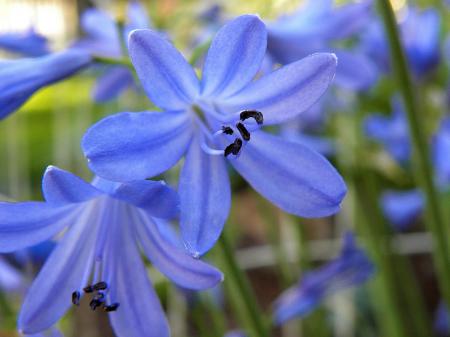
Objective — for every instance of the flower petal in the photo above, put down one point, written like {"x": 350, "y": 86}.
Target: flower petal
{"x": 235, "y": 56}
{"x": 355, "y": 71}
{"x": 10, "y": 278}
{"x": 137, "y": 16}
{"x": 401, "y": 208}
{"x": 293, "y": 177}
{"x": 28, "y": 223}
{"x": 168, "y": 79}
{"x": 99, "y": 25}
{"x": 140, "y": 312}
{"x": 288, "y": 91}
{"x": 154, "y": 197}
{"x": 19, "y": 79}
{"x": 61, "y": 187}
{"x": 131, "y": 146}
{"x": 205, "y": 199}
{"x": 176, "y": 264}
{"x": 66, "y": 270}
{"x": 115, "y": 81}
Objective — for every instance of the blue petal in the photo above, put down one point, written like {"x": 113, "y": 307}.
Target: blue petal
{"x": 293, "y": 177}
{"x": 99, "y": 25}
{"x": 19, "y": 79}
{"x": 112, "y": 84}
{"x": 66, "y": 270}
{"x": 235, "y": 56}
{"x": 137, "y": 16}
{"x": 10, "y": 278}
{"x": 288, "y": 91}
{"x": 401, "y": 208}
{"x": 153, "y": 196}
{"x": 294, "y": 303}
{"x": 27, "y": 43}
{"x": 324, "y": 146}
{"x": 168, "y": 79}
{"x": 132, "y": 146}
{"x": 441, "y": 149}
{"x": 355, "y": 71}
{"x": 28, "y": 223}
{"x": 61, "y": 187}
{"x": 140, "y": 312}
{"x": 205, "y": 199}
{"x": 176, "y": 264}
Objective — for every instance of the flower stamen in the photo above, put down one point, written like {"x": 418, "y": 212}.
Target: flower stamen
{"x": 233, "y": 148}
{"x": 243, "y": 131}
{"x": 256, "y": 115}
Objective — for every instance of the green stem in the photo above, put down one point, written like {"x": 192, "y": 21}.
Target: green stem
{"x": 199, "y": 51}
{"x": 240, "y": 290}
{"x": 113, "y": 61}
{"x": 434, "y": 215}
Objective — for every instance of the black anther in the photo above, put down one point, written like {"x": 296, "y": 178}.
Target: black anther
{"x": 256, "y": 115}
{"x": 227, "y": 130}
{"x": 88, "y": 289}
{"x": 243, "y": 131}
{"x": 99, "y": 297}
{"x": 112, "y": 307}
{"x": 233, "y": 148}
{"x": 100, "y": 286}
{"x": 94, "y": 304}
{"x": 76, "y": 297}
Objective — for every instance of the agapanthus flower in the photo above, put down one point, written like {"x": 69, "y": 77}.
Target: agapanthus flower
{"x": 402, "y": 207}
{"x": 352, "y": 268}
{"x": 420, "y": 30}
{"x": 391, "y": 131}
{"x": 442, "y": 320}
{"x": 20, "y": 79}
{"x": 216, "y": 119}
{"x": 105, "y": 38}
{"x": 103, "y": 224}
{"x": 27, "y": 43}
{"x": 297, "y": 35}
{"x": 10, "y": 278}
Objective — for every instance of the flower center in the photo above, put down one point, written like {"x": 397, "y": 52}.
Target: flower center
{"x": 98, "y": 290}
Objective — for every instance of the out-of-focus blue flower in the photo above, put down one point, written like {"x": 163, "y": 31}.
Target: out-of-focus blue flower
{"x": 391, "y": 131}
{"x": 10, "y": 278}
{"x": 420, "y": 37}
{"x": 105, "y": 224}
{"x": 20, "y": 79}
{"x": 323, "y": 145}
{"x": 36, "y": 254}
{"x": 27, "y": 43}
{"x": 442, "y": 320}
{"x": 441, "y": 152}
{"x": 351, "y": 268}
{"x": 297, "y": 35}
{"x": 216, "y": 118}
{"x": 235, "y": 333}
{"x": 104, "y": 39}
{"x": 402, "y": 207}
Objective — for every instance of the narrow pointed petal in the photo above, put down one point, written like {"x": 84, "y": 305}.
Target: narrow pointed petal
{"x": 401, "y": 208}
{"x": 155, "y": 197}
{"x": 25, "y": 224}
{"x": 235, "y": 56}
{"x": 288, "y": 91}
{"x": 132, "y": 146}
{"x": 27, "y": 43}
{"x": 115, "y": 81}
{"x": 168, "y": 79}
{"x": 99, "y": 25}
{"x": 293, "y": 177}
{"x": 66, "y": 270}
{"x": 176, "y": 264}
{"x": 205, "y": 199}
{"x": 20, "y": 79}
{"x": 61, "y": 187}
{"x": 140, "y": 312}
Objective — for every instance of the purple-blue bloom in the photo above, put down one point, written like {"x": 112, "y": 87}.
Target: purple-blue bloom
{"x": 10, "y": 278}
{"x": 402, "y": 207}
{"x": 104, "y": 224}
{"x": 352, "y": 268}
{"x": 235, "y": 333}
{"x": 442, "y": 320}
{"x": 104, "y": 39}
{"x": 295, "y": 36}
{"x": 27, "y": 43}
{"x": 20, "y": 79}
{"x": 219, "y": 116}
{"x": 420, "y": 31}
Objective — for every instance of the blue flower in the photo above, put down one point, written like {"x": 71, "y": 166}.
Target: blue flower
{"x": 235, "y": 333}
{"x": 20, "y": 79}
{"x": 27, "y": 43}
{"x": 391, "y": 131}
{"x": 10, "y": 278}
{"x": 103, "y": 39}
{"x": 402, "y": 207}
{"x": 217, "y": 118}
{"x": 351, "y": 268}
{"x": 104, "y": 224}
{"x": 298, "y": 35}
{"x": 442, "y": 320}
{"x": 420, "y": 32}
{"x": 440, "y": 153}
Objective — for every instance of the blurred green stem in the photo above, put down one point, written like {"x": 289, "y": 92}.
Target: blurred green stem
{"x": 239, "y": 289}
{"x": 434, "y": 214}
{"x": 199, "y": 51}
{"x": 113, "y": 61}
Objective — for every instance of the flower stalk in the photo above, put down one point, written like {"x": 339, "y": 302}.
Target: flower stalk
{"x": 424, "y": 172}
